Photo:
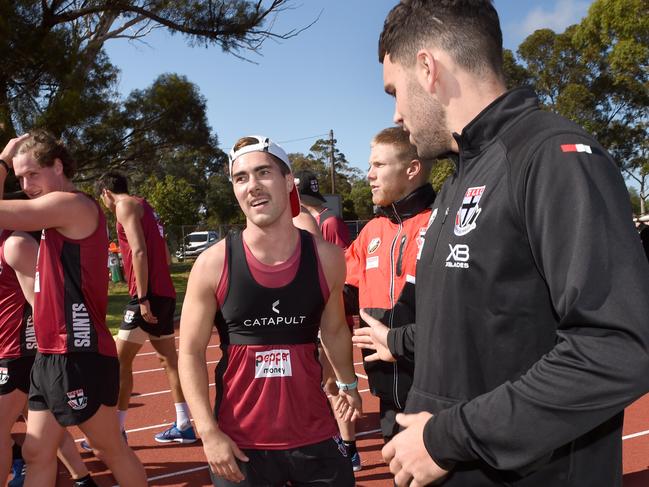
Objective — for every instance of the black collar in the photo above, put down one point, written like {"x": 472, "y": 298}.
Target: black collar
{"x": 495, "y": 119}
{"x": 409, "y": 206}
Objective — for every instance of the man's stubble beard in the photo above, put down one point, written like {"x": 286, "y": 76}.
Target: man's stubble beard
{"x": 433, "y": 138}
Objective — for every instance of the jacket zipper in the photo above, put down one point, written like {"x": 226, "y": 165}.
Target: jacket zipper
{"x": 395, "y": 369}
{"x": 448, "y": 208}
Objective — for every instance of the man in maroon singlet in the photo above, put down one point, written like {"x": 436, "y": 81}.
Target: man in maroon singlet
{"x": 268, "y": 289}
{"x": 74, "y": 380}
{"x": 18, "y": 251}
{"x": 150, "y": 313}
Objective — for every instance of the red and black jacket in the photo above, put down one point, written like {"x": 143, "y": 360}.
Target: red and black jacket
{"x": 381, "y": 266}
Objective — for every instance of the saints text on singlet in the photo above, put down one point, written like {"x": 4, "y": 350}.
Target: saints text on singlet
{"x": 71, "y": 292}
{"x": 160, "y": 283}
{"x": 17, "y": 337}
{"x": 269, "y": 393}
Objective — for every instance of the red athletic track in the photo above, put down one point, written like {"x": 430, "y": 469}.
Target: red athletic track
{"x": 184, "y": 465}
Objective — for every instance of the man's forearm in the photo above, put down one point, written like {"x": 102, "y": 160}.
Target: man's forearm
{"x": 195, "y": 386}
{"x": 141, "y": 271}
{"x": 338, "y": 346}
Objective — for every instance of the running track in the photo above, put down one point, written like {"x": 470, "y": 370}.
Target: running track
{"x": 183, "y": 465}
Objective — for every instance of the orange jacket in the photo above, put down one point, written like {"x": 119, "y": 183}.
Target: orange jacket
{"x": 381, "y": 264}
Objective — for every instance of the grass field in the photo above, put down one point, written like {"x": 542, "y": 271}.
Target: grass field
{"x": 118, "y": 294}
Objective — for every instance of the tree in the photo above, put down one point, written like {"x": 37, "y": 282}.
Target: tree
{"x": 442, "y": 169}
{"x": 222, "y": 206}
{"x": 361, "y": 197}
{"x": 596, "y": 73}
{"x": 55, "y": 73}
{"x": 174, "y": 200}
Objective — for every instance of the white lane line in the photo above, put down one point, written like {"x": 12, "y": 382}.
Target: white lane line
{"x": 370, "y": 432}
{"x": 635, "y": 435}
{"x": 135, "y": 430}
{"x": 204, "y": 467}
{"x": 162, "y": 368}
{"x": 153, "y": 353}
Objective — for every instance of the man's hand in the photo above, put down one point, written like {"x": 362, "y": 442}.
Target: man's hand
{"x": 147, "y": 314}
{"x": 348, "y": 405}
{"x": 9, "y": 152}
{"x": 373, "y": 337}
{"x": 407, "y": 456}
{"x": 222, "y": 454}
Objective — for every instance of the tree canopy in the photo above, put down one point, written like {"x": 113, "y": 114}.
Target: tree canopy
{"x": 596, "y": 73}
{"x": 55, "y": 72}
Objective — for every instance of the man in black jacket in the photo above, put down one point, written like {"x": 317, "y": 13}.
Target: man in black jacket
{"x": 531, "y": 303}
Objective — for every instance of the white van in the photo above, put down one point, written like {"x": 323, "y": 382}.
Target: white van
{"x": 195, "y": 243}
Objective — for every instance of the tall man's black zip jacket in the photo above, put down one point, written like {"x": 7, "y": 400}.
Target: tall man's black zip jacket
{"x": 531, "y": 306}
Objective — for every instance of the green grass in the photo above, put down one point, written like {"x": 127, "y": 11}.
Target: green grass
{"x": 118, "y": 296}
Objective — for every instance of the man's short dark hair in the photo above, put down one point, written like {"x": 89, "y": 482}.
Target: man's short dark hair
{"x": 113, "y": 181}
{"x": 469, "y": 30}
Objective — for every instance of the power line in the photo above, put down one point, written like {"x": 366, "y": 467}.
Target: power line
{"x": 303, "y": 138}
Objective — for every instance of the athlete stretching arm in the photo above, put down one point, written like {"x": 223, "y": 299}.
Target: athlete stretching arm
{"x": 196, "y": 322}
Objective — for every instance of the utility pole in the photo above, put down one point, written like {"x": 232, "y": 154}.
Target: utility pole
{"x": 333, "y": 162}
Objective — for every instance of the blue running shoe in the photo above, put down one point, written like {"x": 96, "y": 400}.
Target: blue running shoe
{"x": 177, "y": 435}
{"x": 18, "y": 469}
{"x": 356, "y": 462}
{"x": 86, "y": 446}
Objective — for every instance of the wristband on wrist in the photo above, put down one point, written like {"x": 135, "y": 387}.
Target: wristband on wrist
{"x": 5, "y": 165}
{"x": 142, "y": 299}
{"x": 347, "y": 387}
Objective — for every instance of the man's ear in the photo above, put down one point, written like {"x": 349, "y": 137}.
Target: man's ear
{"x": 427, "y": 72}
{"x": 58, "y": 166}
{"x": 414, "y": 168}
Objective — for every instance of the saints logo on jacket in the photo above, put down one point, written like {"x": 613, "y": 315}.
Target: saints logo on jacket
{"x": 469, "y": 211}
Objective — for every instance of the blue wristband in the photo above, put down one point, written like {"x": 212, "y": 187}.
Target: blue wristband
{"x": 347, "y": 387}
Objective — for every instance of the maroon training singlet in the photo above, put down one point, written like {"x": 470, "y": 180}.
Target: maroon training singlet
{"x": 71, "y": 292}
{"x": 16, "y": 326}
{"x": 160, "y": 283}
{"x": 269, "y": 393}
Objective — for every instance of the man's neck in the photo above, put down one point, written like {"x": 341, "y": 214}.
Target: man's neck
{"x": 468, "y": 99}
{"x": 314, "y": 210}
{"x": 272, "y": 245}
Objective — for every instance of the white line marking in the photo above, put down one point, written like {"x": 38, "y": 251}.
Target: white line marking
{"x": 370, "y": 432}
{"x": 162, "y": 368}
{"x": 635, "y": 435}
{"x": 198, "y": 469}
{"x": 153, "y": 353}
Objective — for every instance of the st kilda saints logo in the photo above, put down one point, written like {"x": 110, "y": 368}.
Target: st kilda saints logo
{"x": 469, "y": 211}
{"x": 4, "y": 375}
{"x": 373, "y": 245}
{"x": 77, "y": 400}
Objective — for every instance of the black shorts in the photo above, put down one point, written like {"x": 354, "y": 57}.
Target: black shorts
{"x": 321, "y": 464}
{"x": 73, "y": 386}
{"x": 163, "y": 308}
{"x": 14, "y": 374}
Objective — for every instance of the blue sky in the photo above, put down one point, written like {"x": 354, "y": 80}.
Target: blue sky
{"x": 328, "y": 77}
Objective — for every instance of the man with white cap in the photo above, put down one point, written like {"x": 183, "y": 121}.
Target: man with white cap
{"x": 268, "y": 289}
